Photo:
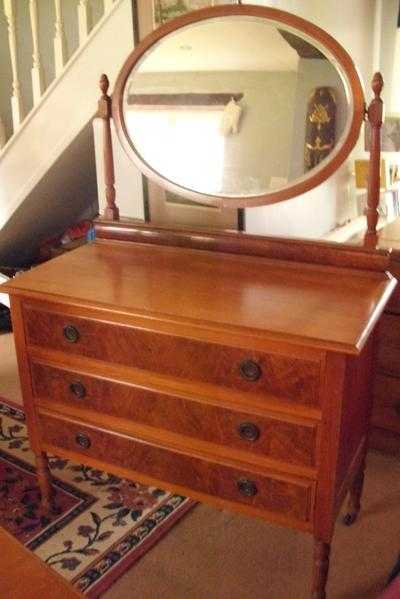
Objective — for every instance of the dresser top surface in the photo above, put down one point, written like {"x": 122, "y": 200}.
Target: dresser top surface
{"x": 315, "y": 305}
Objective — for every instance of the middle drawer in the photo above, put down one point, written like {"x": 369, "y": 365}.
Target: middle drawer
{"x": 281, "y": 439}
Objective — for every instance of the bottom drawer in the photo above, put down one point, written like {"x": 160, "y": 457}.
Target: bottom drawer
{"x": 281, "y": 495}
{"x": 386, "y": 410}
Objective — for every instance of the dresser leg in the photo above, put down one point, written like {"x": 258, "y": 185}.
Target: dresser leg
{"x": 321, "y": 568}
{"x": 354, "y": 501}
{"x": 44, "y": 479}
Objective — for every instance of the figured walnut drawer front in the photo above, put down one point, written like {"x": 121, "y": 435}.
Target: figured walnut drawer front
{"x": 275, "y": 438}
{"x": 394, "y": 302}
{"x": 288, "y": 377}
{"x": 291, "y": 498}
{"x": 386, "y": 409}
{"x": 389, "y": 345}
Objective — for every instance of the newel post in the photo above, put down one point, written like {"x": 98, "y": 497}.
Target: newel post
{"x": 375, "y": 119}
{"x": 111, "y": 211}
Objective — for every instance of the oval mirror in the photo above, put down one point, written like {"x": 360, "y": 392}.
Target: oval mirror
{"x": 238, "y": 106}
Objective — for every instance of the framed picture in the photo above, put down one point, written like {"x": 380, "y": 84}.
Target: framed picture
{"x": 390, "y": 134}
{"x": 164, "y": 10}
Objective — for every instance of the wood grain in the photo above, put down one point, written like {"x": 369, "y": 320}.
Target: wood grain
{"x": 314, "y": 306}
{"x": 386, "y": 412}
{"x": 279, "y": 439}
{"x": 291, "y": 498}
{"x": 287, "y": 377}
{"x": 305, "y": 251}
{"x": 389, "y": 345}
{"x": 24, "y": 576}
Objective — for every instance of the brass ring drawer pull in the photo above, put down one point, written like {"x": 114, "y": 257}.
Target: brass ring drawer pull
{"x": 71, "y": 333}
{"x": 77, "y": 389}
{"x": 247, "y": 487}
{"x": 249, "y": 431}
{"x": 250, "y": 370}
{"x": 83, "y": 440}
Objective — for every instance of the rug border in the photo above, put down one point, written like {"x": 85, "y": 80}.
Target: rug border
{"x": 103, "y": 585}
{"x": 98, "y": 588}
{"x": 13, "y": 404}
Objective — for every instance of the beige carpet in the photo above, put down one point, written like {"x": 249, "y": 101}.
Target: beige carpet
{"x": 213, "y": 554}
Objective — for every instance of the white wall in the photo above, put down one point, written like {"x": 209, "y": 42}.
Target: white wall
{"x": 387, "y": 65}
{"x": 317, "y": 212}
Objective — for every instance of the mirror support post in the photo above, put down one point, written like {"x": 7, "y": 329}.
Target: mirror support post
{"x": 111, "y": 211}
{"x": 375, "y": 118}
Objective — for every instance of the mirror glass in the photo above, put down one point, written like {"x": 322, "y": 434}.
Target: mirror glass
{"x": 236, "y": 106}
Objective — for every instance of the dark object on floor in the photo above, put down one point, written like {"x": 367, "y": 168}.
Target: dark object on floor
{"x": 395, "y": 572}
{"x": 392, "y": 590}
{"x": 5, "y": 319}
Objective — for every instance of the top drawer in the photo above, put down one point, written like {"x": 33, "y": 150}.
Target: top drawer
{"x": 291, "y": 378}
{"x": 394, "y": 302}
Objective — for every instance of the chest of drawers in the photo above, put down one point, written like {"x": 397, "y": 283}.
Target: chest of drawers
{"x": 241, "y": 381}
{"x": 385, "y": 433}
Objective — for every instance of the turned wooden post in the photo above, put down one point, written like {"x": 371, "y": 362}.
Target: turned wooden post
{"x": 355, "y": 494}
{"x": 375, "y": 119}
{"x": 111, "y": 212}
{"x": 44, "y": 479}
{"x": 321, "y": 569}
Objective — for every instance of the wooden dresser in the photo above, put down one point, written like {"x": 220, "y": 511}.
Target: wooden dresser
{"x": 385, "y": 434}
{"x": 241, "y": 380}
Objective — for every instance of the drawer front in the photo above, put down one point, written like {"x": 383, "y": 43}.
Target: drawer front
{"x": 386, "y": 409}
{"x": 293, "y": 379}
{"x": 394, "y": 302}
{"x": 389, "y": 345}
{"x": 275, "y": 438}
{"x": 293, "y": 499}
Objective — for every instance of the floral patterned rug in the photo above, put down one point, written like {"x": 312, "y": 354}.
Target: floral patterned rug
{"x": 100, "y": 524}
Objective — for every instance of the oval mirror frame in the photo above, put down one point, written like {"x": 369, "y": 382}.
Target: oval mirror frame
{"x": 314, "y": 33}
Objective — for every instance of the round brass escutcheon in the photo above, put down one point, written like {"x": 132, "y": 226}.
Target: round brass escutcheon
{"x": 250, "y": 370}
{"x": 249, "y": 431}
{"x": 71, "y": 333}
{"x": 78, "y": 389}
{"x": 247, "y": 487}
{"x": 83, "y": 440}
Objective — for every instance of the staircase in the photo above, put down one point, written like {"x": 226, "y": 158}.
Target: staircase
{"x": 48, "y": 97}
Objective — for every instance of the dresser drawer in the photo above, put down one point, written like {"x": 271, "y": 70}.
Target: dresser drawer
{"x": 389, "y": 344}
{"x": 386, "y": 409}
{"x": 286, "y": 377}
{"x": 394, "y": 302}
{"x": 288, "y": 497}
{"x": 276, "y": 438}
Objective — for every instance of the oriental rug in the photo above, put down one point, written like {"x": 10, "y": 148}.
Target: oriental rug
{"x": 100, "y": 524}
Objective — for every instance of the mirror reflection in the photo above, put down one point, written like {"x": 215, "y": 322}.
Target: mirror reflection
{"x": 235, "y": 106}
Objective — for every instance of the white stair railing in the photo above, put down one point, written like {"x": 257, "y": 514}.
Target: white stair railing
{"x": 2, "y": 134}
{"x": 37, "y": 72}
{"x": 84, "y": 20}
{"x": 16, "y": 99}
{"x": 39, "y": 79}
{"x": 60, "y": 46}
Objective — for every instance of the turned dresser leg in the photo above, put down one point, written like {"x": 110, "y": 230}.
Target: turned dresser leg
{"x": 321, "y": 569}
{"x": 354, "y": 501}
{"x": 44, "y": 479}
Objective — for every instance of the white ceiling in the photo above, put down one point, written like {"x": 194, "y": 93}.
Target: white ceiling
{"x": 225, "y": 44}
